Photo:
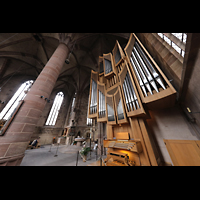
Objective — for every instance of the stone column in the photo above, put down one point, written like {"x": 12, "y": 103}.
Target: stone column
{"x": 13, "y": 144}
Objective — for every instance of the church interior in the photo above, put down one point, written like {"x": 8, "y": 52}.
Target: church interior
{"x": 127, "y": 99}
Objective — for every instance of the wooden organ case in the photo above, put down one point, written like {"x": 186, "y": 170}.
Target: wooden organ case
{"x": 127, "y": 84}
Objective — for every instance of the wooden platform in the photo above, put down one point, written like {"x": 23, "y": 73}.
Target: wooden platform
{"x": 96, "y": 163}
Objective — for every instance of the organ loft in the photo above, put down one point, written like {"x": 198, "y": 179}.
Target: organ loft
{"x": 132, "y": 99}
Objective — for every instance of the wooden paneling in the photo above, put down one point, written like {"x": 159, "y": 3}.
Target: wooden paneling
{"x": 184, "y": 152}
{"x": 122, "y": 135}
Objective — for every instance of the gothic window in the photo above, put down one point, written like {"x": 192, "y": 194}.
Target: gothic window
{"x": 88, "y": 121}
{"x": 71, "y": 110}
{"x": 181, "y": 36}
{"x": 51, "y": 120}
{"x": 19, "y": 95}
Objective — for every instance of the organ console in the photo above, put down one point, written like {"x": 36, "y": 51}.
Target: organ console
{"x": 127, "y": 84}
{"x": 122, "y": 151}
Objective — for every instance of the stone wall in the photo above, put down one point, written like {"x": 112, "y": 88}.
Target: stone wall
{"x": 46, "y": 133}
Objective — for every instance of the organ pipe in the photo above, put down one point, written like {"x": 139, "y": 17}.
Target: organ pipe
{"x": 114, "y": 92}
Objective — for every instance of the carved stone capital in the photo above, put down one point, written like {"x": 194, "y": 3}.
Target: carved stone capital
{"x": 66, "y": 39}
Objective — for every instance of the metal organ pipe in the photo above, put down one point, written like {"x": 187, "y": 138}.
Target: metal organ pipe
{"x": 139, "y": 78}
{"x": 126, "y": 98}
{"x": 101, "y": 104}
{"x": 133, "y": 91}
{"x": 137, "y": 66}
{"x": 146, "y": 71}
{"x": 93, "y": 103}
{"x": 130, "y": 93}
{"x": 142, "y": 73}
{"x": 108, "y": 67}
{"x": 150, "y": 67}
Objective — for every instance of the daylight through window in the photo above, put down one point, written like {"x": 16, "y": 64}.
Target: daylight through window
{"x": 51, "y": 120}
{"x": 181, "y": 36}
{"x": 19, "y": 95}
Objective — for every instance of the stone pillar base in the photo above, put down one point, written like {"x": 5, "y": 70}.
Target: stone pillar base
{"x": 12, "y": 160}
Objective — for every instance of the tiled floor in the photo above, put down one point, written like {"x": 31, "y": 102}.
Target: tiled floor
{"x": 66, "y": 156}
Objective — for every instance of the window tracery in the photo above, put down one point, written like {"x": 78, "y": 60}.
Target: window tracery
{"x": 51, "y": 120}
{"x": 181, "y": 36}
{"x": 13, "y": 102}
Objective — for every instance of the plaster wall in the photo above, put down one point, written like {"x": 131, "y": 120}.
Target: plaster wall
{"x": 168, "y": 124}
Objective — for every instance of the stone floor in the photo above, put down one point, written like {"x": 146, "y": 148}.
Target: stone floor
{"x": 66, "y": 156}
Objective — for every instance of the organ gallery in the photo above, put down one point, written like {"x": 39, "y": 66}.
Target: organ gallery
{"x": 130, "y": 99}
{"x": 115, "y": 99}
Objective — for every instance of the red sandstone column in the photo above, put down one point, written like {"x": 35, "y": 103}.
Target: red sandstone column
{"x": 13, "y": 144}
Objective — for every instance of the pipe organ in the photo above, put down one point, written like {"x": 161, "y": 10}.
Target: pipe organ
{"x": 127, "y": 84}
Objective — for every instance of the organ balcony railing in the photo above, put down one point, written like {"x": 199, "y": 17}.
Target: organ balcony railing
{"x": 153, "y": 86}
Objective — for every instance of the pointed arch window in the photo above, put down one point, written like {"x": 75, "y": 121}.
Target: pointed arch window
{"x": 51, "y": 120}
{"x": 19, "y": 95}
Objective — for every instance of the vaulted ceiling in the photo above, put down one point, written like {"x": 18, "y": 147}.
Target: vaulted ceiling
{"x": 27, "y": 53}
